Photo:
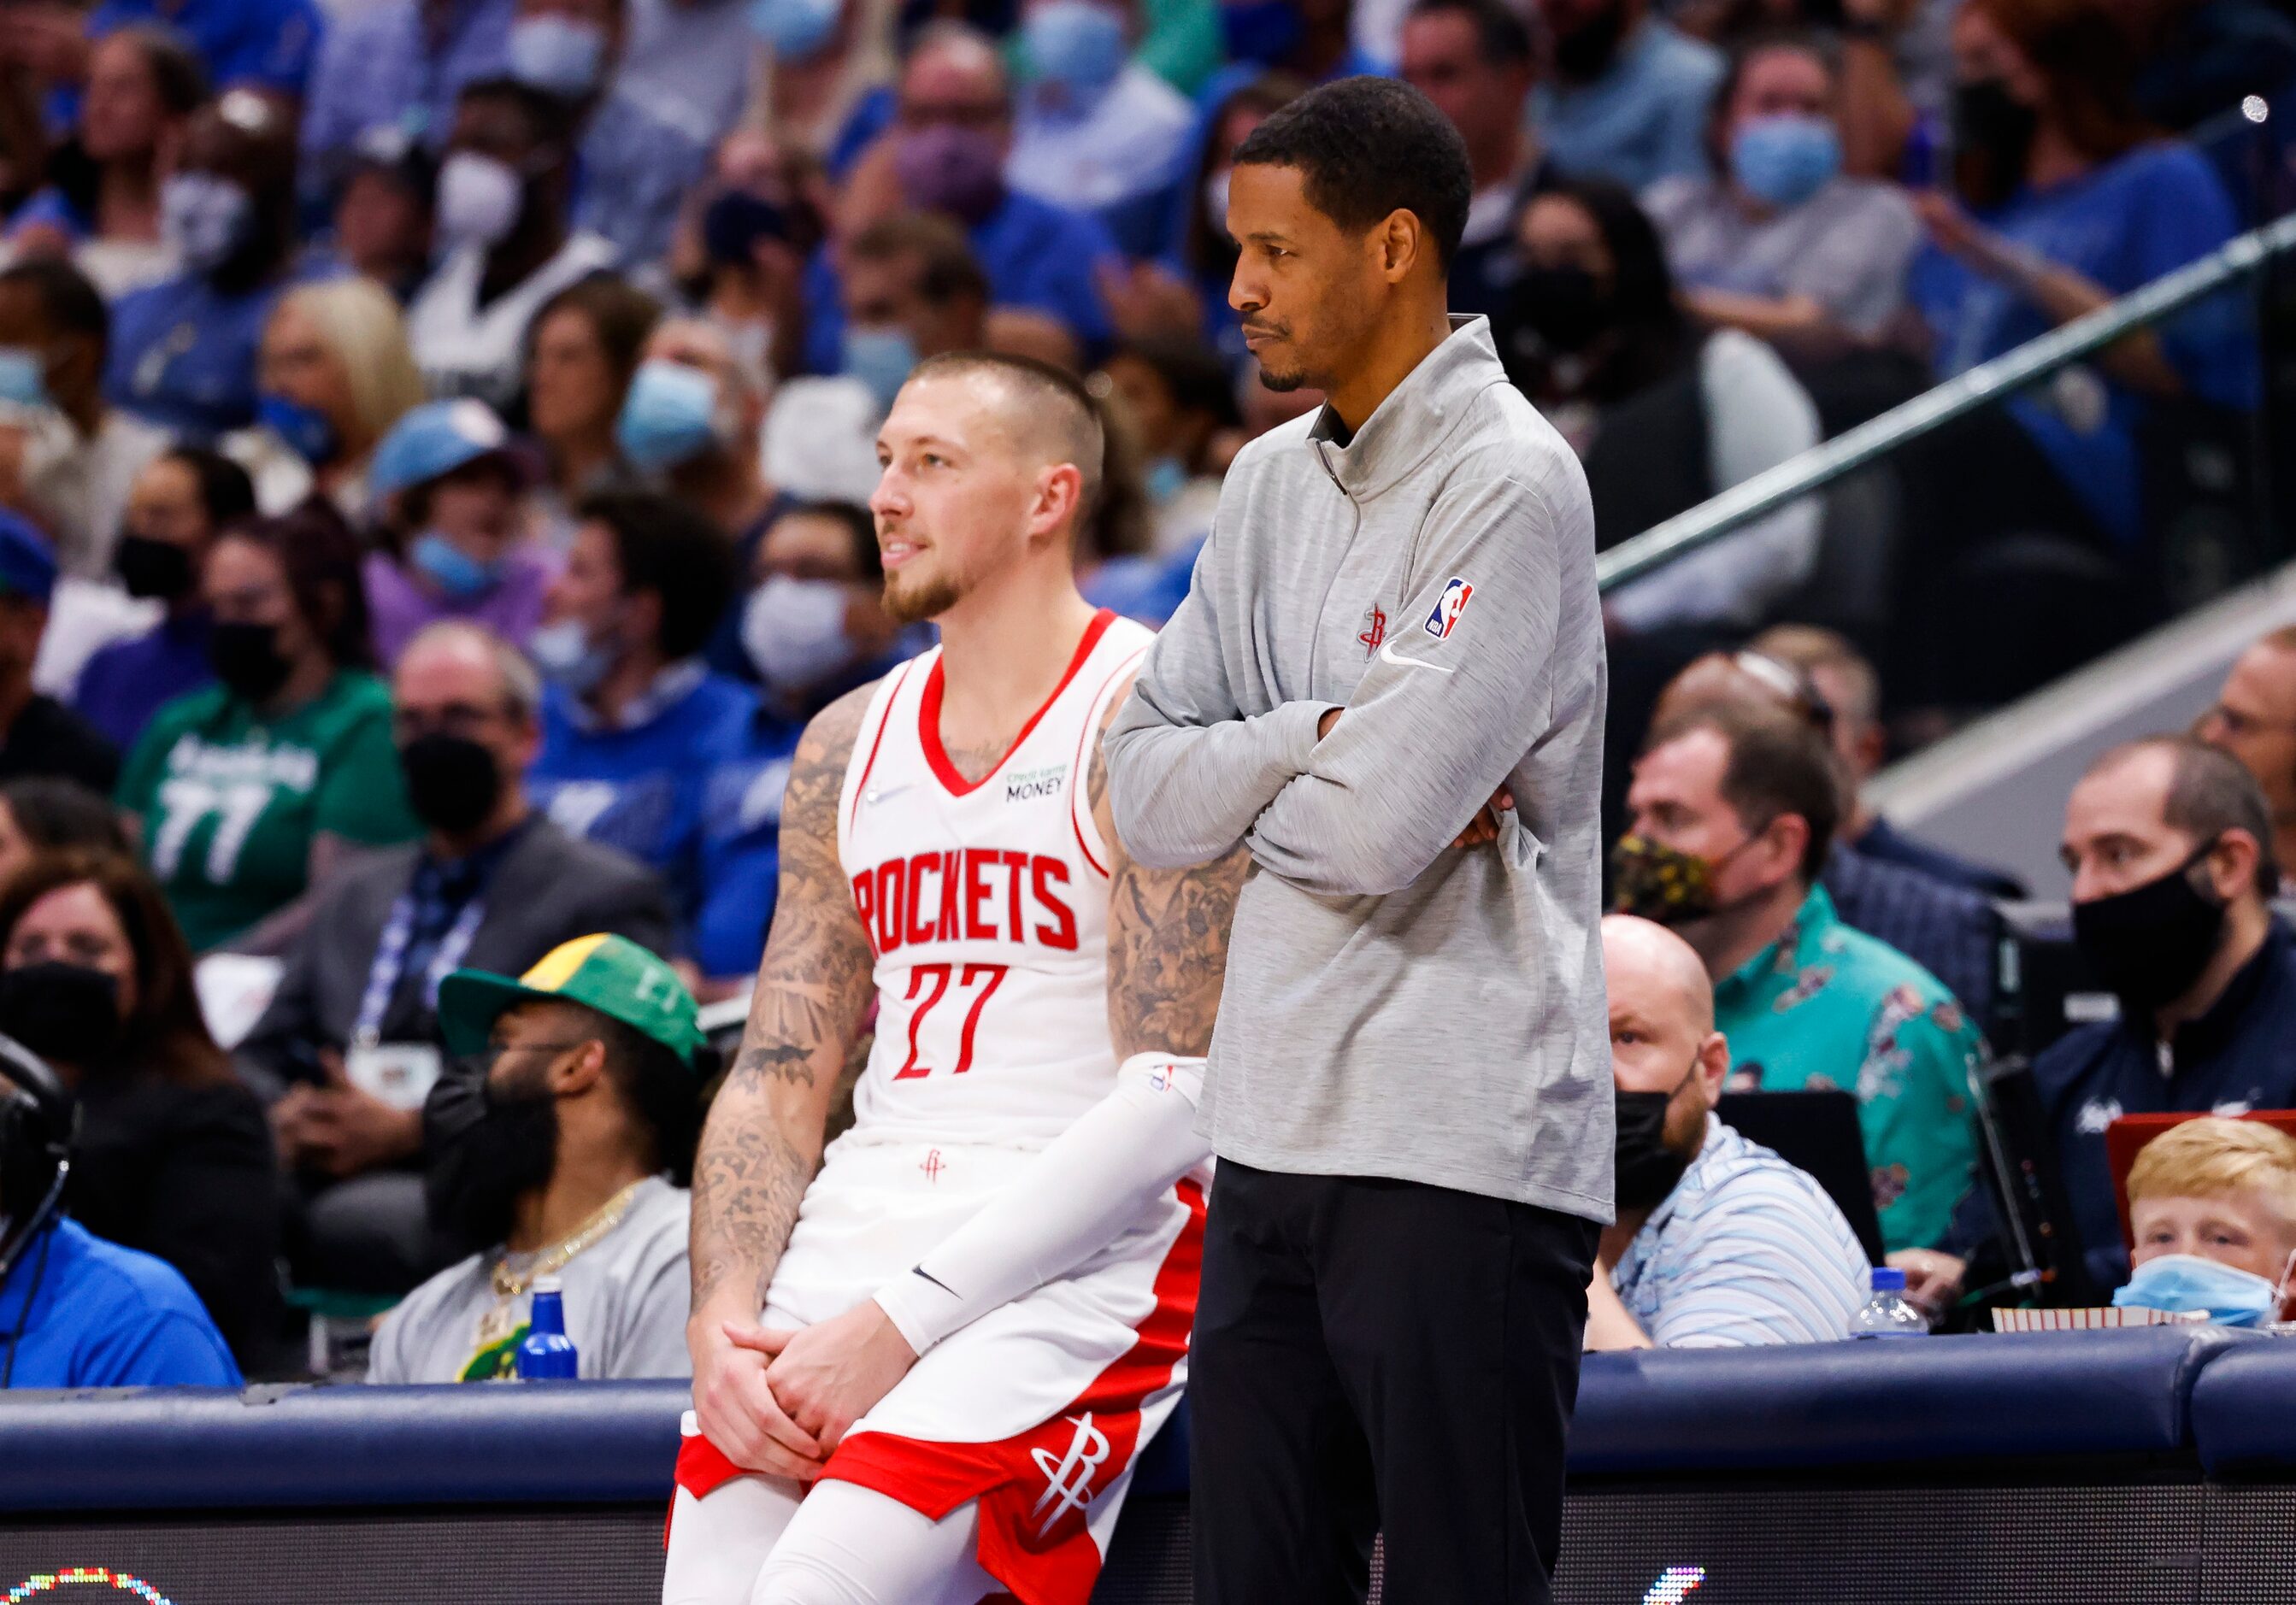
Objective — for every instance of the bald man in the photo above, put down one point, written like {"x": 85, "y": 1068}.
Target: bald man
{"x": 1719, "y": 1242}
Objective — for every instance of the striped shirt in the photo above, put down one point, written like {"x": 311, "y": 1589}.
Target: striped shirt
{"x": 1746, "y": 1249}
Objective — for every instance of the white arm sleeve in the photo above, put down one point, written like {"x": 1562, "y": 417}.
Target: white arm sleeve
{"x": 1091, "y": 1183}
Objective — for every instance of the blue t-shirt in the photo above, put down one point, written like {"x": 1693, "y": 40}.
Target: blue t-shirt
{"x": 124, "y": 683}
{"x": 379, "y": 66}
{"x": 183, "y": 354}
{"x": 100, "y": 1315}
{"x": 742, "y": 848}
{"x": 640, "y": 788}
{"x": 2123, "y": 223}
{"x": 262, "y": 43}
{"x": 1642, "y": 120}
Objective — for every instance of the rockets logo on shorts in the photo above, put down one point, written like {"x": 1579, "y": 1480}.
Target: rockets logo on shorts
{"x": 1453, "y": 602}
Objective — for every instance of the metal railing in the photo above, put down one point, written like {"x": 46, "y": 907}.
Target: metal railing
{"x": 1988, "y": 382}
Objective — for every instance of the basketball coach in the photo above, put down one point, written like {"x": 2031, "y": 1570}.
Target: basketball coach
{"x": 1388, "y": 684}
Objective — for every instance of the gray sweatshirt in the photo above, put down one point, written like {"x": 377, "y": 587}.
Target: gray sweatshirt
{"x": 1396, "y": 1007}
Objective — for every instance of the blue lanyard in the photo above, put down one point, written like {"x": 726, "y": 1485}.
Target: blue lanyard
{"x": 391, "y": 959}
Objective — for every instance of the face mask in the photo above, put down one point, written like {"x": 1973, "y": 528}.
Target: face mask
{"x": 152, "y": 568}
{"x": 479, "y": 200}
{"x": 797, "y": 30}
{"x": 1782, "y": 161}
{"x": 65, "y": 1011}
{"x": 1647, "y": 1168}
{"x": 567, "y": 656}
{"x": 1215, "y": 200}
{"x": 945, "y": 168}
{"x": 2186, "y": 1281}
{"x": 1076, "y": 44}
{"x": 1654, "y": 881}
{"x": 557, "y": 55}
{"x": 246, "y": 658}
{"x": 1563, "y": 307}
{"x": 451, "y": 781}
{"x": 305, "y": 431}
{"x": 451, "y": 569}
{"x": 484, "y": 1147}
{"x": 1165, "y": 478}
{"x": 2149, "y": 944}
{"x": 880, "y": 358}
{"x": 670, "y": 417}
{"x": 794, "y": 632}
{"x": 203, "y": 218}
{"x": 1587, "y": 53}
{"x": 1263, "y": 31}
{"x": 23, "y": 378}
{"x": 1991, "y": 122}
{"x": 733, "y": 224}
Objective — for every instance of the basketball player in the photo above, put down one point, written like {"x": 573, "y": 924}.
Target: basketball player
{"x": 979, "y": 1310}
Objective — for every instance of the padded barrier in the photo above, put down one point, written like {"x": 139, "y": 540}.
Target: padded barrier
{"x": 2245, "y": 1411}
{"x": 2040, "y": 1395}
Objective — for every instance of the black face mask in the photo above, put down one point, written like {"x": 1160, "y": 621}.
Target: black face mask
{"x": 1563, "y": 307}
{"x": 485, "y": 1145}
{"x": 61, "y": 1011}
{"x": 2150, "y": 943}
{"x": 152, "y": 568}
{"x": 1990, "y": 122}
{"x": 1587, "y": 52}
{"x": 1647, "y": 1168}
{"x": 451, "y": 781}
{"x": 246, "y": 658}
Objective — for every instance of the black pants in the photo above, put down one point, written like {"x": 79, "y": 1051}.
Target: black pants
{"x": 1375, "y": 1355}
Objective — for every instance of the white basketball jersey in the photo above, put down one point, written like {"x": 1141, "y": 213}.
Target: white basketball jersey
{"x": 986, "y": 903}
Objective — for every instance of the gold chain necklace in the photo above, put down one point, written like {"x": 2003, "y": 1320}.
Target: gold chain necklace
{"x": 500, "y": 1322}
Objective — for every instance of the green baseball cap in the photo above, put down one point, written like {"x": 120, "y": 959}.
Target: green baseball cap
{"x": 612, "y": 974}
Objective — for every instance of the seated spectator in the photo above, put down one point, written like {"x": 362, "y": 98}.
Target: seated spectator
{"x": 402, "y": 62}
{"x": 2070, "y": 202}
{"x": 172, "y": 1157}
{"x": 564, "y": 1151}
{"x": 582, "y": 348}
{"x": 101, "y": 208}
{"x": 1178, "y": 400}
{"x": 1720, "y": 1243}
{"x": 178, "y": 505}
{"x": 336, "y": 374}
{"x": 1474, "y": 59}
{"x": 1094, "y": 129}
{"x": 490, "y": 883}
{"x": 184, "y": 351}
{"x": 1772, "y": 238}
{"x": 2254, "y": 719}
{"x": 381, "y": 211}
{"x": 80, "y": 1312}
{"x": 2169, "y": 843}
{"x": 42, "y": 814}
{"x": 1733, "y": 810}
{"x": 457, "y": 532}
{"x": 505, "y": 243}
{"x": 38, "y": 735}
{"x": 67, "y": 459}
{"x": 1840, "y": 673}
{"x": 912, "y": 289}
{"x": 747, "y": 247}
{"x": 632, "y": 721}
{"x": 251, "y": 793}
{"x": 693, "y": 420}
{"x": 1663, "y": 412}
{"x": 2212, "y": 1213}
{"x": 1629, "y": 96}
{"x": 945, "y": 153}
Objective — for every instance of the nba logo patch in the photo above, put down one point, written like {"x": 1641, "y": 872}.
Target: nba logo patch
{"x": 1453, "y": 602}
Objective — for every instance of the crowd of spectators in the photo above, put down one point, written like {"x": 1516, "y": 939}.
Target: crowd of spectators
{"x": 435, "y": 443}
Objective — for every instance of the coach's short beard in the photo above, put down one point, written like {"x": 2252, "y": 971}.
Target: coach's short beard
{"x": 1283, "y": 384}
{"x": 927, "y": 599}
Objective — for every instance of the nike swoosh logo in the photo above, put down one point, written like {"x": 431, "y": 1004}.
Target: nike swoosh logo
{"x": 937, "y": 1282}
{"x": 1387, "y": 654}
{"x": 877, "y": 794}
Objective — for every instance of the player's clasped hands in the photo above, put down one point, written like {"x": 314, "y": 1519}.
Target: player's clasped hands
{"x": 737, "y": 1412}
{"x": 816, "y": 1383}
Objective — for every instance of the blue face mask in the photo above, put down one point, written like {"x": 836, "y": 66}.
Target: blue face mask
{"x": 1782, "y": 161}
{"x": 797, "y": 30}
{"x": 23, "y": 379}
{"x": 1166, "y": 478}
{"x": 305, "y": 431}
{"x": 557, "y": 54}
{"x": 880, "y": 358}
{"x": 453, "y": 569}
{"x": 1261, "y": 32}
{"x": 567, "y": 656}
{"x": 2186, "y": 1281}
{"x": 1076, "y": 44}
{"x": 670, "y": 417}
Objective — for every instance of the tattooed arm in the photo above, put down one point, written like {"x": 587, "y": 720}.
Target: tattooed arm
{"x": 765, "y": 1132}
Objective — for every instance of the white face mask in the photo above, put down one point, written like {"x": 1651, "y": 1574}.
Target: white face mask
{"x": 557, "y": 54}
{"x": 479, "y": 199}
{"x": 794, "y": 632}
{"x": 203, "y": 217}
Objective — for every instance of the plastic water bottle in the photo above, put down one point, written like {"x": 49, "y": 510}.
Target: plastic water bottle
{"x": 547, "y": 1355}
{"x": 1886, "y": 1314}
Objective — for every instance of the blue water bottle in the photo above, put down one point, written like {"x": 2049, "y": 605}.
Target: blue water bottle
{"x": 547, "y": 1355}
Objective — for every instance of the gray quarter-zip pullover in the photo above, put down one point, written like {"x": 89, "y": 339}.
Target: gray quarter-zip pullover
{"x": 1396, "y": 1007}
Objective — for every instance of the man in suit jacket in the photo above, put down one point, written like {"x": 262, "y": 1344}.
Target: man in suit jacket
{"x": 350, "y": 1042}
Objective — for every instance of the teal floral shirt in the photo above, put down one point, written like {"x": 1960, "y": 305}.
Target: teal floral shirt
{"x": 1827, "y": 1006}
